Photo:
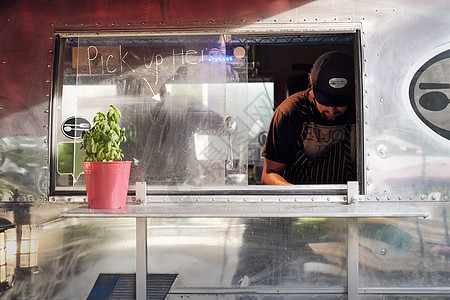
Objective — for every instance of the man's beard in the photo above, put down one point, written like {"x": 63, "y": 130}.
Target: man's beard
{"x": 332, "y": 117}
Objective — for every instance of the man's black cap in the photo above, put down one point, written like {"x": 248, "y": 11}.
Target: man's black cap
{"x": 332, "y": 79}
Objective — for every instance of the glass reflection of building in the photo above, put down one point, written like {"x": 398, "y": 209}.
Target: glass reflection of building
{"x": 18, "y": 245}
{"x": 26, "y": 241}
{"x": 6, "y": 275}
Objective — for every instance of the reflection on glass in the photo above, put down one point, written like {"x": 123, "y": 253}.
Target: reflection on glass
{"x": 174, "y": 94}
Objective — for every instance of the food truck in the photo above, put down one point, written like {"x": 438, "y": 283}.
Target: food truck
{"x": 196, "y": 83}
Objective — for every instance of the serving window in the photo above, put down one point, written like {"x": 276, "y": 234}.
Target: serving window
{"x": 196, "y": 108}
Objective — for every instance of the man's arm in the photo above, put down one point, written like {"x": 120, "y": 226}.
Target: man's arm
{"x": 272, "y": 173}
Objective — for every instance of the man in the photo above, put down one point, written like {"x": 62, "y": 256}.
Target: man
{"x": 311, "y": 138}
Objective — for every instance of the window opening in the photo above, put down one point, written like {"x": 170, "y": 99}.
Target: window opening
{"x": 184, "y": 88}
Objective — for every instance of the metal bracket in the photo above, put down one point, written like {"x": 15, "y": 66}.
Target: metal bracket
{"x": 353, "y": 196}
{"x": 141, "y": 193}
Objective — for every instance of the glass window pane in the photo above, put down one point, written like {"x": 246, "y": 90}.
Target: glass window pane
{"x": 174, "y": 94}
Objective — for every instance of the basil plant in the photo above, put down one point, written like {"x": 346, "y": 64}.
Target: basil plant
{"x": 102, "y": 141}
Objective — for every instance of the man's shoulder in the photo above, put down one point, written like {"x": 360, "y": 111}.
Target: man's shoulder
{"x": 297, "y": 102}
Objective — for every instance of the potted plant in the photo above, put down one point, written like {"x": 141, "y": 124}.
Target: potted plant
{"x": 106, "y": 175}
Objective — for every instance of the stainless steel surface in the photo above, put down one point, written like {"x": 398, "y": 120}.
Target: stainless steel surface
{"x": 141, "y": 258}
{"x": 250, "y": 210}
{"x": 279, "y": 256}
{"x": 386, "y": 163}
{"x": 352, "y": 259}
{"x": 404, "y": 162}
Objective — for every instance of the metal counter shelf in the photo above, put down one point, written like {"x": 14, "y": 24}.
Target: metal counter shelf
{"x": 252, "y": 210}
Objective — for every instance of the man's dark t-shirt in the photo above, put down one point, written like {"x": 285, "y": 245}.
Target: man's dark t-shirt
{"x": 315, "y": 150}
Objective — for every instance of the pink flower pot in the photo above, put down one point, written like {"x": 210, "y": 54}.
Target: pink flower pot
{"x": 107, "y": 183}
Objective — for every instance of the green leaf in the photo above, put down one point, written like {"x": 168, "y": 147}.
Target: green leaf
{"x": 102, "y": 141}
